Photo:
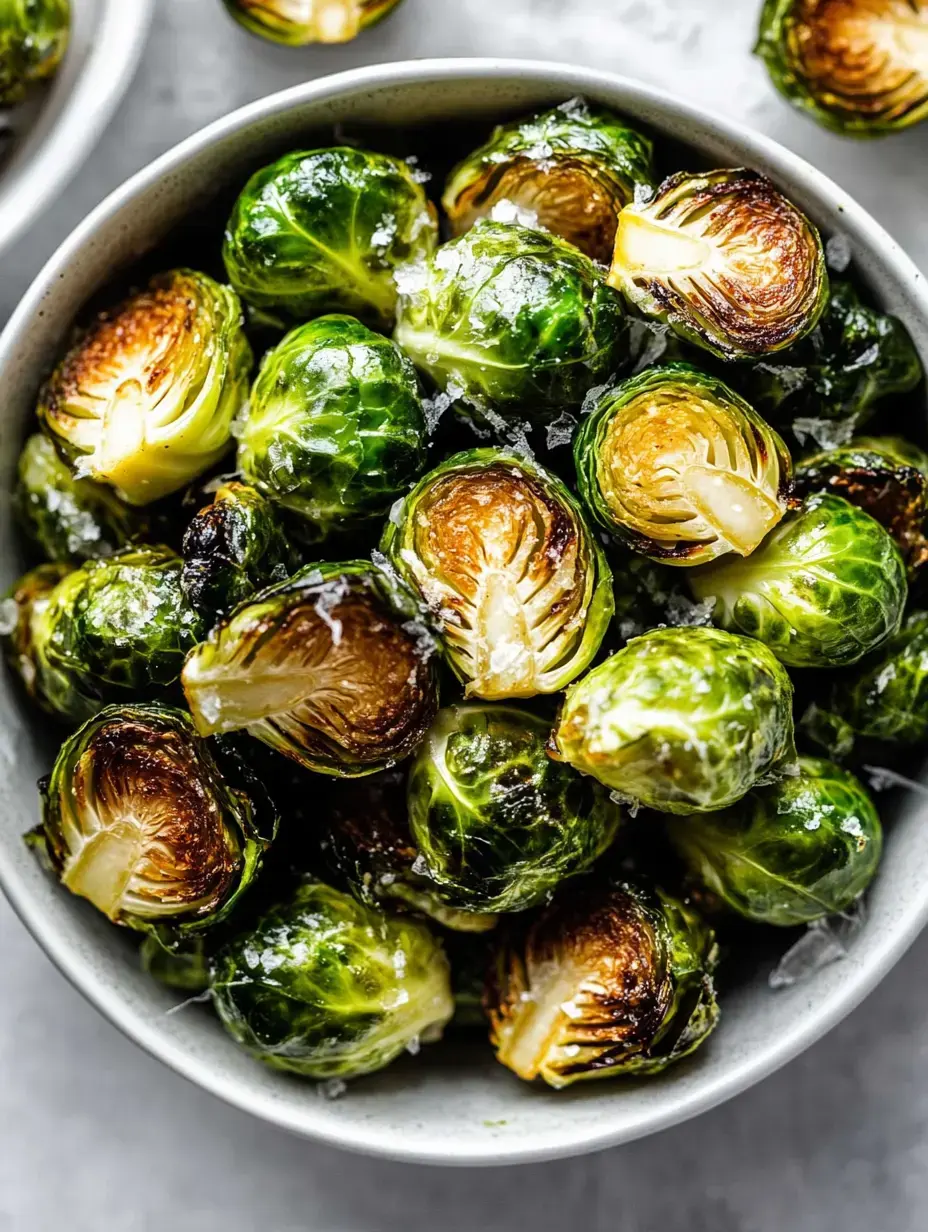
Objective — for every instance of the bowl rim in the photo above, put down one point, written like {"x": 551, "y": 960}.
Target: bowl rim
{"x": 358, "y": 1136}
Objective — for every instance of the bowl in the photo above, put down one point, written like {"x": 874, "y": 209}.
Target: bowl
{"x": 56, "y": 128}
{"x": 453, "y": 1104}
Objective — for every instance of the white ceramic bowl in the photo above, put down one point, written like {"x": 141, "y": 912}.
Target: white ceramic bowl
{"x": 55, "y": 130}
{"x": 451, "y": 1104}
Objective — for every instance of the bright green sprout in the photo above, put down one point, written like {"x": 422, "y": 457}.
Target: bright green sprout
{"x": 22, "y": 619}
{"x": 34, "y": 36}
{"x": 297, "y": 23}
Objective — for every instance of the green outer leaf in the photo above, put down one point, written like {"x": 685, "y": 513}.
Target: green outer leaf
{"x": 185, "y": 968}
{"x": 263, "y": 18}
{"x": 25, "y": 603}
{"x": 34, "y": 36}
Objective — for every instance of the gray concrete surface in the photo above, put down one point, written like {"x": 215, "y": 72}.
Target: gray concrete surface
{"x": 95, "y": 1136}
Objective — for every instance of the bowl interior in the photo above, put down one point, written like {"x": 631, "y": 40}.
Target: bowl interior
{"x": 454, "y": 1103}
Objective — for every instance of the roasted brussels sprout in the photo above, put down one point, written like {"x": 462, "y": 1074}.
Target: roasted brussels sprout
{"x": 680, "y": 467}
{"x": 325, "y": 668}
{"x": 855, "y": 66}
{"x": 137, "y": 819}
{"x": 499, "y": 824}
{"x": 725, "y": 260}
{"x": 145, "y": 398}
{"x": 572, "y": 169}
{"x": 22, "y": 627}
{"x": 824, "y": 589}
{"x": 233, "y": 548}
{"x": 614, "y": 979}
{"x": 800, "y": 849}
{"x": 297, "y": 23}
{"x": 184, "y": 967}
{"x": 33, "y": 38}
{"x": 681, "y": 720}
{"x": 498, "y": 550}
{"x": 334, "y": 430}
{"x": 325, "y": 230}
{"x": 507, "y": 319}
{"x": 325, "y": 987}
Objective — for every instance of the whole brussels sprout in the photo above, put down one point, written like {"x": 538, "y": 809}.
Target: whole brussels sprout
{"x": 185, "y": 967}
{"x": 607, "y": 981}
{"x": 725, "y": 260}
{"x": 499, "y": 824}
{"x": 681, "y": 720}
{"x": 297, "y": 23}
{"x": 334, "y": 429}
{"x": 518, "y": 586}
{"x": 22, "y": 621}
{"x": 233, "y": 548}
{"x": 824, "y": 589}
{"x": 325, "y": 668}
{"x": 137, "y": 819}
{"x": 507, "y": 319}
{"x": 34, "y": 36}
{"x": 800, "y": 849}
{"x": 680, "y": 467}
{"x": 325, "y": 987}
{"x": 572, "y": 168}
{"x": 325, "y": 230}
{"x": 144, "y": 399}
{"x": 855, "y": 66}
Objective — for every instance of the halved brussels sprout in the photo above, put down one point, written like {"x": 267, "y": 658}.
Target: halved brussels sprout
{"x": 22, "y": 625}
{"x": 137, "y": 819}
{"x": 499, "y": 824}
{"x": 518, "y": 586}
{"x": 681, "y": 720}
{"x": 611, "y": 980}
{"x": 34, "y": 36}
{"x": 324, "y": 987}
{"x": 572, "y": 168}
{"x": 144, "y": 399}
{"x": 859, "y": 67}
{"x": 334, "y": 429}
{"x": 233, "y": 548}
{"x": 725, "y": 260}
{"x": 681, "y": 467}
{"x": 824, "y": 589}
{"x": 325, "y": 230}
{"x": 184, "y": 967}
{"x": 513, "y": 320}
{"x": 800, "y": 849}
{"x": 297, "y": 23}
{"x": 325, "y": 668}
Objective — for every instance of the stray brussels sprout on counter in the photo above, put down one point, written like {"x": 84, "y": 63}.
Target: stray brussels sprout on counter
{"x": 824, "y": 589}
{"x": 325, "y": 987}
{"x": 513, "y": 321}
{"x": 325, "y": 668}
{"x": 611, "y": 980}
{"x": 22, "y": 613}
{"x": 325, "y": 231}
{"x": 571, "y": 169}
{"x": 137, "y": 819}
{"x": 499, "y": 824}
{"x": 34, "y": 36}
{"x": 145, "y": 398}
{"x": 334, "y": 429}
{"x": 856, "y": 66}
{"x": 297, "y": 23}
{"x": 681, "y": 720}
{"x": 725, "y": 260}
{"x": 680, "y": 467}
{"x": 184, "y": 967}
{"x": 519, "y": 587}
{"x": 798, "y": 850}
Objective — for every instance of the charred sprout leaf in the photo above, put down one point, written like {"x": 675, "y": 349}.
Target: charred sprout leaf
{"x": 798, "y": 850}
{"x": 725, "y": 260}
{"x": 145, "y": 398}
{"x": 859, "y": 67}
{"x": 682, "y": 720}
{"x": 517, "y": 584}
{"x": 137, "y": 819}
{"x": 334, "y": 429}
{"x": 611, "y": 980}
{"x": 325, "y": 987}
{"x": 323, "y": 668}
{"x": 184, "y": 967}
{"x": 499, "y": 824}
{"x": 680, "y": 467}
{"x": 325, "y": 230}
{"x": 507, "y": 319}
{"x": 824, "y": 589}
{"x": 23, "y": 623}
{"x": 33, "y": 38}
{"x": 571, "y": 170}
{"x": 297, "y": 23}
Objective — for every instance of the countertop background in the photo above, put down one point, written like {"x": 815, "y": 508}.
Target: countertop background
{"x": 97, "y": 1136}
